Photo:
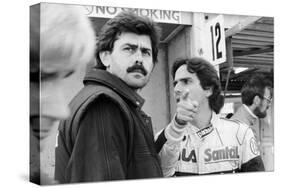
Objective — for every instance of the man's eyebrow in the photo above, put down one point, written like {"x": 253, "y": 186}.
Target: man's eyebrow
{"x": 48, "y": 75}
{"x": 52, "y": 75}
{"x": 182, "y": 79}
{"x": 69, "y": 73}
{"x": 131, "y": 45}
{"x": 134, "y": 46}
{"x": 144, "y": 48}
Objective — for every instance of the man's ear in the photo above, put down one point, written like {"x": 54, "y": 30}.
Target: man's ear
{"x": 209, "y": 92}
{"x": 256, "y": 100}
{"x": 105, "y": 58}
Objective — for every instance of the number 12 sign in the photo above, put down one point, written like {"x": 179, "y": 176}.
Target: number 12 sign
{"x": 215, "y": 30}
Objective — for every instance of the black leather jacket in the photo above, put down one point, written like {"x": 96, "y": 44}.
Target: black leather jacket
{"x": 107, "y": 136}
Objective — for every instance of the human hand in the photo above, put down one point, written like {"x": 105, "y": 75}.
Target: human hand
{"x": 186, "y": 109}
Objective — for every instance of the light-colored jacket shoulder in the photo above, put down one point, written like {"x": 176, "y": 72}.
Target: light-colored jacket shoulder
{"x": 234, "y": 128}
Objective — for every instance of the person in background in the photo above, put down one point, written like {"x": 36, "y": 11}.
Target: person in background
{"x": 108, "y": 136}
{"x": 198, "y": 141}
{"x": 256, "y": 96}
{"x": 61, "y": 40}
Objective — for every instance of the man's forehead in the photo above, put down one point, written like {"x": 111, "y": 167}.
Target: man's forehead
{"x": 268, "y": 91}
{"x": 182, "y": 72}
{"x": 134, "y": 39}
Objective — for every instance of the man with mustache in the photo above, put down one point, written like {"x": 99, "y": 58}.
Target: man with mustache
{"x": 108, "y": 136}
{"x": 256, "y": 97}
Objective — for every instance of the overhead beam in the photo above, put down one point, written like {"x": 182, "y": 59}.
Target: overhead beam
{"x": 262, "y": 27}
{"x": 252, "y": 64}
{"x": 244, "y": 72}
{"x": 251, "y": 42}
{"x": 243, "y": 36}
{"x": 173, "y": 33}
{"x": 241, "y": 25}
{"x": 252, "y": 52}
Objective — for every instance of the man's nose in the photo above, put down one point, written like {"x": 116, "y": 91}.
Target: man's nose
{"x": 177, "y": 90}
{"x": 138, "y": 57}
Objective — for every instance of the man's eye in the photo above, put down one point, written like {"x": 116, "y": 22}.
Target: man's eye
{"x": 48, "y": 76}
{"x": 68, "y": 74}
{"x": 146, "y": 52}
{"x": 186, "y": 81}
{"x": 129, "y": 49}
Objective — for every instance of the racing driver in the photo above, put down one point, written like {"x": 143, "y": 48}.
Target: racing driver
{"x": 198, "y": 141}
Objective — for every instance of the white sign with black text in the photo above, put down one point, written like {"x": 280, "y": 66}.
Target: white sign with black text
{"x": 163, "y": 16}
{"x": 216, "y": 38}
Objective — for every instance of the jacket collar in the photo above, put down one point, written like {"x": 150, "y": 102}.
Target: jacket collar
{"x": 201, "y": 133}
{"x": 250, "y": 112}
{"x": 105, "y": 78}
{"x": 245, "y": 116}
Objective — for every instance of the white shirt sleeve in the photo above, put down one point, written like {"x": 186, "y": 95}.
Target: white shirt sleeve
{"x": 170, "y": 151}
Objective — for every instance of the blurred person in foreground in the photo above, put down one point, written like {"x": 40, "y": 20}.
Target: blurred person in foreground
{"x": 61, "y": 40}
{"x": 108, "y": 136}
{"x": 198, "y": 141}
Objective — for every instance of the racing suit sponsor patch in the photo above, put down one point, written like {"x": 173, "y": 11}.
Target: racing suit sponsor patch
{"x": 205, "y": 131}
{"x": 188, "y": 157}
{"x": 221, "y": 154}
{"x": 254, "y": 146}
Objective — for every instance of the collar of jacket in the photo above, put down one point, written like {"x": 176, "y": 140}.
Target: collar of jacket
{"x": 105, "y": 78}
{"x": 251, "y": 117}
{"x": 201, "y": 133}
{"x": 243, "y": 115}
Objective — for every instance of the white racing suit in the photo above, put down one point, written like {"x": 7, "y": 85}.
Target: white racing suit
{"x": 226, "y": 146}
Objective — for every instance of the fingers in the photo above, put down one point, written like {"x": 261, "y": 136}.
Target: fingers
{"x": 184, "y": 95}
{"x": 186, "y": 108}
{"x": 188, "y": 105}
{"x": 183, "y": 116}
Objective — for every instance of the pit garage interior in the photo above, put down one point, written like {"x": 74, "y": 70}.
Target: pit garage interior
{"x": 249, "y": 44}
{"x": 249, "y": 50}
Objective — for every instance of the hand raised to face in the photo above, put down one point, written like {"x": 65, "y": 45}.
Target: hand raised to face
{"x": 186, "y": 108}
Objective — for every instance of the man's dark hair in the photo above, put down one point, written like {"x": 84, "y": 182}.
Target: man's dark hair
{"x": 207, "y": 76}
{"x": 255, "y": 86}
{"x": 126, "y": 21}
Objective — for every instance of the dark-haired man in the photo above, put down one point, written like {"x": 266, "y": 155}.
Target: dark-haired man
{"x": 108, "y": 136}
{"x": 198, "y": 141}
{"x": 256, "y": 96}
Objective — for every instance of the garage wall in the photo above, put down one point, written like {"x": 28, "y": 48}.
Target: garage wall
{"x": 155, "y": 93}
{"x": 178, "y": 47}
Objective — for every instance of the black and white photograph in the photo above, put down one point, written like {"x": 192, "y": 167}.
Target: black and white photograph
{"x": 162, "y": 93}
{"x": 125, "y": 93}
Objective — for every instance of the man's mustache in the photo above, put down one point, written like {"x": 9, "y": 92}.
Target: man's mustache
{"x": 137, "y": 67}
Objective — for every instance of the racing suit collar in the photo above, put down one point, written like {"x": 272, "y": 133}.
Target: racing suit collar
{"x": 251, "y": 116}
{"x": 202, "y": 133}
{"x": 250, "y": 112}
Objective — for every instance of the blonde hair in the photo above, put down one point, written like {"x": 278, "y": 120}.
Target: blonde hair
{"x": 67, "y": 38}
